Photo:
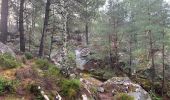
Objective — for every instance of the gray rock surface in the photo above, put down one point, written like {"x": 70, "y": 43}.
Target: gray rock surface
{"x": 6, "y": 49}
{"x": 125, "y": 85}
{"x": 80, "y": 61}
{"x": 100, "y": 89}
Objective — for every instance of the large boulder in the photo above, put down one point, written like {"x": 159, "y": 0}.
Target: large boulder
{"x": 117, "y": 85}
{"x": 110, "y": 89}
{"x": 6, "y": 49}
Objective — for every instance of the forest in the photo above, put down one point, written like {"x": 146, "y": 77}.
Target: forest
{"x": 84, "y": 49}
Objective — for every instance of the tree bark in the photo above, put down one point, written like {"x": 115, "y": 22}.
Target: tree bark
{"x": 4, "y": 21}
{"x": 51, "y": 45}
{"x": 41, "y": 49}
{"x": 163, "y": 63}
{"x": 110, "y": 51}
{"x": 152, "y": 55}
{"x": 130, "y": 56}
{"x": 64, "y": 48}
{"x": 87, "y": 34}
{"x": 21, "y": 26}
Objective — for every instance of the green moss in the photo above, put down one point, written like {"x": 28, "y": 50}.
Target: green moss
{"x": 70, "y": 87}
{"x": 8, "y": 61}
{"x": 123, "y": 96}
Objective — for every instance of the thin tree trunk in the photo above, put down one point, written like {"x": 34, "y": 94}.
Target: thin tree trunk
{"x": 116, "y": 50}
{"x": 51, "y": 45}
{"x": 4, "y": 21}
{"x": 116, "y": 44}
{"x": 68, "y": 30}
{"x": 21, "y": 26}
{"x": 110, "y": 51}
{"x": 86, "y": 27}
{"x": 163, "y": 64}
{"x": 152, "y": 55}
{"x": 41, "y": 49}
{"x": 87, "y": 37}
{"x": 130, "y": 56}
{"x": 29, "y": 40}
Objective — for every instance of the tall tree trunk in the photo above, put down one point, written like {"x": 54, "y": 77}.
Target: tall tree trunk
{"x": 116, "y": 43}
{"x": 163, "y": 63}
{"x": 130, "y": 56}
{"x": 64, "y": 48}
{"x": 68, "y": 29}
{"x": 51, "y": 45}
{"x": 87, "y": 34}
{"x": 86, "y": 26}
{"x": 21, "y": 26}
{"x": 47, "y": 11}
{"x": 110, "y": 51}
{"x": 116, "y": 49}
{"x": 152, "y": 55}
{"x": 4, "y": 21}
{"x": 64, "y": 65}
{"x": 29, "y": 40}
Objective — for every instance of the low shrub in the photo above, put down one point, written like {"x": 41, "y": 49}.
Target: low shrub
{"x": 29, "y": 56}
{"x": 71, "y": 59}
{"x": 52, "y": 72}
{"x": 43, "y": 64}
{"x": 8, "y": 61}
{"x": 70, "y": 87}
{"x": 154, "y": 96}
{"x": 6, "y": 86}
{"x": 33, "y": 88}
{"x": 123, "y": 96}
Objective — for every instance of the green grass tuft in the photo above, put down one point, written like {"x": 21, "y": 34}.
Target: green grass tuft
{"x": 6, "y": 86}
{"x": 123, "y": 96}
{"x": 8, "y": 61}
{"x": 70, "y": 87}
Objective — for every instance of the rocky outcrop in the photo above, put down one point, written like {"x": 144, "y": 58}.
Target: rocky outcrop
{"x": 6, "y": 49}
{"x": 112, "y": 87}
{"x": 118, "y": 85}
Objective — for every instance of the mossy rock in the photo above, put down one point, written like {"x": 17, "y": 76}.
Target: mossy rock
{"x": 145, "y": 83}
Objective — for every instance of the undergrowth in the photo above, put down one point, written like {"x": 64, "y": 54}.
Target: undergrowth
{"x": 8, "y": 61}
